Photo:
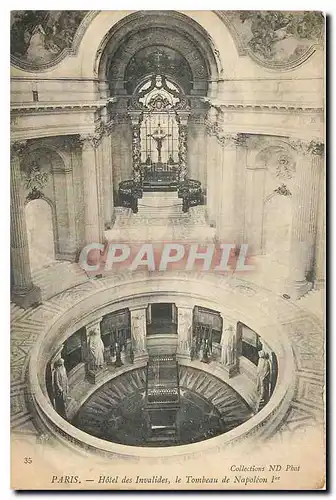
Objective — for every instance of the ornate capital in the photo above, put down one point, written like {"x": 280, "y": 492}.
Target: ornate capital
{"x": 120, "y": 118}
{"x": 241, "y": 140}
{"x": 17, "y": 148}
{"x": 316, "y": 148}
{"x": 89, "y": 141}
{"x": 227, "y": 140}
{"x": 108, "y": 128}
{"x": 305, "y": 148}
{"x": 213, "y": 128}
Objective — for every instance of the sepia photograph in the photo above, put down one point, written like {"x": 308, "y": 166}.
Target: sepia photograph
{"x": 167, "y": 250}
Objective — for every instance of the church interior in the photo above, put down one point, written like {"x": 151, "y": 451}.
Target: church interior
{"x": 166, "y": 126}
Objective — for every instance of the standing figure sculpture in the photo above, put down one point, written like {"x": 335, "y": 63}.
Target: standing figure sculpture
{"x": 60, "y": 387}
{"x": 228, "y": 355}
{"x": 138, "y": 334}
{"x": 96, "y": 350}
{"x": 263, "y": 377}
{"x": 118, "y": 361}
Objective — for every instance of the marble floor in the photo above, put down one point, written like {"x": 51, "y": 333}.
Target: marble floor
{"x": 116, "y": 411}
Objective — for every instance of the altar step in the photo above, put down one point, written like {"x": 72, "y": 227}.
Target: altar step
{"x": 160, "y": 205}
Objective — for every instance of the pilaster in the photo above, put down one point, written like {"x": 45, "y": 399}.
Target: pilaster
{"x": 23, "y": 292}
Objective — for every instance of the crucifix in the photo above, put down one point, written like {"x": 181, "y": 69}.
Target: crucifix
{"x": 159, "y": 137}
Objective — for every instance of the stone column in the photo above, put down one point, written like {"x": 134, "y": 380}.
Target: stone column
{"x": 95, "y": 365}
{"x": 65, "y": 213}
{"x": 182, "y": 119}
{"x": 138, "y": 333}
{"x": 73, "y": 240}
{"x": 304, "y": 218}
{"x": 239, "y": 191}
{"x": 320, "y": 242}
{"x": 213, "y": 157}
{"x": 107, "y": 177}
{"x": 91, "y": 191}
{"x": 184, "y": 328}
{"x": 23, "y": 292}
{"x": 121, "y": 149}
{"x": 225, "y": 185}
{"x": 254, "y": 208}
{"x": 197, "y": 147}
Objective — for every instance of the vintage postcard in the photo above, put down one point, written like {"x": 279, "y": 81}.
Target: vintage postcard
{"x": 167, "y": 250}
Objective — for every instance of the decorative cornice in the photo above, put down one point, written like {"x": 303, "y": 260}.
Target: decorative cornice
{"x": 37, "y": 107}
{"x": 221, "y": 106}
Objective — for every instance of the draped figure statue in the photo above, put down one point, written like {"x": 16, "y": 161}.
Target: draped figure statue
{"x": 60, "y": 387}
{"x": 96, "y": 350}
{"x": 263, "y": 376}
{"x": 228, "y": 354}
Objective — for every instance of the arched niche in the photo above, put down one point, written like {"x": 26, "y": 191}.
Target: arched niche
{"x": 133, "y": 42}
{"x": 47, "y": 176}
{"x": 278, "y": 160}
{"x": 40, "y": 230}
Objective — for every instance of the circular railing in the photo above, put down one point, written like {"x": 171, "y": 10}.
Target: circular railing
{"x": 264, "y": 423}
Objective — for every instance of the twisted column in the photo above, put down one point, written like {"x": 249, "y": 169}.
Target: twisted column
{"x": 182, "y": 120}
{"x": 136, "y": 147}
{"x": 23, "y": 292}
{"x": 305, "y": 200}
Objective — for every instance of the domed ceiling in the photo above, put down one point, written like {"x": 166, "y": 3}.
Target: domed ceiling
{"x": 41, "y": 38}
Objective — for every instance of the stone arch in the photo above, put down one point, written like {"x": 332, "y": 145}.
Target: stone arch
{"x": 171, "y": 30}
{"x": 53, "y": 187}
{"x": 278, "y": 158}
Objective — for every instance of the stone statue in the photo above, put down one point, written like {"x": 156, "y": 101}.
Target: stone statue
{"x": 96, "y": 350}
{"x": 118, "y": 361}
{"x": 263, "y": 376}
{"x": 138, "y": 334}
{"x": 228, "y": 354}
{"x": 60, "y": 387}
{"x": 206, "y": 351}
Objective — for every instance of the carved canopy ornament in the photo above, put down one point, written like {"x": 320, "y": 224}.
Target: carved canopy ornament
{"x": 158, "y": 94}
